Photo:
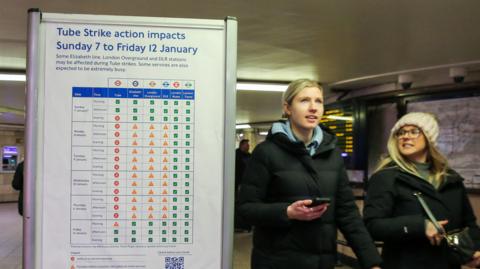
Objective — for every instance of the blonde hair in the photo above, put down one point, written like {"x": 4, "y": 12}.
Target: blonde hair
{"x": 295, "y": 87}
{"x": 438, "y": 168}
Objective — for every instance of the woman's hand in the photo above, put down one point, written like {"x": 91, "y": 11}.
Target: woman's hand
{"x": 433, "y": 235}
{"x": 476, "y": 260}
{"x": 299, "y": 210}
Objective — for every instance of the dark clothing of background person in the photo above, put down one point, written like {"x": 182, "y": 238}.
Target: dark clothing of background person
{"x": 241, "y": 159}
{"x": 281, "y": 172}
{"x": 17, "y": 184}
{"x": 394, "y": 215}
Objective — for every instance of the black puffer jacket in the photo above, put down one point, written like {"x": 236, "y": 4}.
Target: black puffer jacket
{"x": 394, "y": 215}
{"x": 281, "y": 172}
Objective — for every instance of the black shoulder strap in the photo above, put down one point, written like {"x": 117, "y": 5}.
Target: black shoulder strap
{"x": 429, "y": 212}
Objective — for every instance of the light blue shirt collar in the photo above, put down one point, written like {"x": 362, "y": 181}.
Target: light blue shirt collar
{"x": 285, "y": 128}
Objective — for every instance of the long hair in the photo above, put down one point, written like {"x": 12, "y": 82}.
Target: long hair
{"x": 438, "y": 168}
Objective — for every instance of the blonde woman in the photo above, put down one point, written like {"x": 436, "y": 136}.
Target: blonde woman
{"x": 394, "y": 215}
{"x": 298, "y": 162}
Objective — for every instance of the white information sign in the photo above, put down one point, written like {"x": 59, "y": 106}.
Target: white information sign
{"x": 133, "y": 142}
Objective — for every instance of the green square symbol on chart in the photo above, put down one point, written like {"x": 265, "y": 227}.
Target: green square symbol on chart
{"x": 174, "y": 239}
{"x": 187, "y": 215}
{"x": 187, "y": 160}
{"x": 152, "y": 102}
{"x": 175, "y": 167}
{"x": 117, "y": 110}
{"x": 134, "y": 240}
{"x": 188, "y": 103}
{"x": 174, "y": 215}
{"x": 175, "y": 192}
{"x": 175, "y": 175}
{"x": 187, "y": 151}
{"x": 164, "y": 223}
{"x": 175, "y": 151}
{"x": 187, "y": 135}
{"x": 152, "y": 110}
{"x": 186, "y": 223}
{"x": 134, "y": 223}
{"x": 117, "y": 102}
{"x": 164, "y": 231}
{"x": 188, "y": 118}
{"x": 115, "y": 231}
{"x": 175, "y": 118}
{"x": 188, "y": 111}
{"x": 186, "y": 231}
{"x": 175, "y": 103}
{"x": 175, "y": 143}
{"x": 174, "y": 231}
{"x": 174, "y": 207}
{"x": 174, "y": 199}
{"x": 186, "y": 239}
{"x": 165, "y": 118}
{"x": 175, "y": 160}
{"x": 150, "y": 239}
{"x": 150, "y": 223}
{"x": 135, "y": 110}
{"x": 187, "y": 199}
{"x": 187, "y": 167}
{"x": 175, "y": 184}
{"x": 115, "y": 240}
{"x": 165, "y": 102}
{"x": 187, "y": 192}
{"x": 174, "y": 223}
{"x": 187, "y": 143}
{"x": 150, "y": 231}
{"x": 187, "y": 175}
{"x": 135, "y": 102}
{"x": 175, "y": 127}
{"x": 187, "y": 127}
{"x": 164, "y": 239}
{"x": 165, "y": 110}
{"x": 134, "y": 232}
{"x": 187, "y": 184}
{"x": 175, "y": 135}
{"x": 152, "y": 118}
{"x": 135, "y": 118}
{"x": 175, "y": 111}
{"x": 187, "y": 207}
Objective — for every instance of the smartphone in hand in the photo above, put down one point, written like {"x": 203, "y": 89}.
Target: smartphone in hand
{"x": 316, "y": 201}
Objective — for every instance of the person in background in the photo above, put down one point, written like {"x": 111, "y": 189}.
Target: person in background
{"x": 242, "y": 155}
{"x": 17, "y": 184}
{"x": 394, "y": 215}
{"x": 298, "y": 161}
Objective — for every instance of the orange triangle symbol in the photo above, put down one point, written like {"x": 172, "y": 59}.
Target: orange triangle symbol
{"x": 134, "y": 167}
{"x": 151, "y": 175}
{"x": 150, "y": 208}
{"x": 151, "y": 127}
{"x": 165, "y": 144}
{"x": 135, "y": 143}
{"x": 165, "y": 151}
{"x": 151, "y": 184}
{"x": 164, "y": 192}
{"x": 134, "y": 216}
{"x": 134, "y": 135}
{"x": 135, "y": 126}
{"x": 134, "y": 160}
{"x": 151, "y": 192}
{"x": 165, "y": 160}
{"x": 165, "y": 135}
{"x": 164, "y": 184}
{"x": 134, "y": 208}
{"x": 134, "y": 151}
{"x": 150, "y": 216}
{"x": 164, "y": 200}
{"x": 115, "y": 224}
{"x": 151, "y": 135}
{"x": 134, "y": 192}
{"x": 150, "y": 200}
{"x": 165, "y": 176}
{"x": 165, "y": 168}
{"x": 151, "y": 151}
{"x": 165, "y": 127}
{"x": 151, "y": 143}
{"x": 134, "y": 184}
{"x": 151, "y": 160}
{"x": 151, "y": 167}
{"x": 134, "y": 175}
{"x": 164, "y": 216}
{"x": 164, "y": 208}
{"x": 134, "y": 200}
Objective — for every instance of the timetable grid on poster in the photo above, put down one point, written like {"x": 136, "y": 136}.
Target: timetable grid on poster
{"x": 132, "y": 162}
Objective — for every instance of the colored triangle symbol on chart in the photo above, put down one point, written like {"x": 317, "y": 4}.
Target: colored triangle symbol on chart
{"x": 150, "y": 200}
{"x": 134, "y": 216}
{"x": 151, "y": 175}
{"x": 151, "y": 151}
{"x": 165, "y": 135}
{"x": 134, "y": 151}
{"x": 165, "y": 127}
{"x": 164, "y": 200}
{"x": 165, "y": 176}
{"x": 165, "y": 168}
{"x": 151, "y": 192}
{"x": 134, "y": 184}
{"x": 165, "y": 151}
{"x": 152, "y": 127}
{"x": 151, "y": 135}
{"x": 150, "y": 208}
{"x": 164, "y": 192}
{"x": 135, "y": 135}
{"x": 151, "y": 143}
{"x": 151, "y": 160}
{"x": 165, "y": 160}
{"x": 164, "y": 208}
{"x": 134, "y": 160}
{"x": 134, "y": 167}
{"x": 151, "y": 184}
{"x": 164, "y": 216}
{"x": 134, "y": 200}
{"x": 151, "y": 167}
{"x": 134, "y": 175}
{"x": 134, "y": 192}
{"x": 134, "y": 208}
{"x": 115, "y": 224}
{"x": 134, "y": 143}
{"x": 135, "y": 127}
{"x": 150, "y": 216}
{"x": 165, "y": 184}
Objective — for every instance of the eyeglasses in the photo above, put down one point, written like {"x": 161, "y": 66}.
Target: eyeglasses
{"x": 412, "y": 133}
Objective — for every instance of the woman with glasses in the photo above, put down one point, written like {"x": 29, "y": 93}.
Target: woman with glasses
{"x": 298, "y": 162}
{"x": 394, "y": 215}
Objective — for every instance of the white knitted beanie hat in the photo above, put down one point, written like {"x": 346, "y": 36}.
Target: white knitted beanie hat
{"x": 422, "y": 120}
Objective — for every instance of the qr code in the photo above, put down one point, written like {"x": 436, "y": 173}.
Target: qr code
{"x": 174, "y": 263}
